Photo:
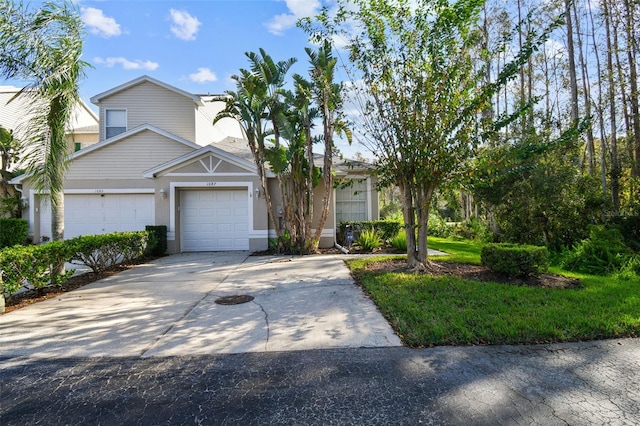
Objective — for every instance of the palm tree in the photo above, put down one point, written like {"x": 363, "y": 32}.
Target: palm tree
{"x": 328, "y": 97}
{"x": 44, "y": 48}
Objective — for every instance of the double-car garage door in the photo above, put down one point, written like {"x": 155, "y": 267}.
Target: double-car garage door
{"x": 90, "y": 214}
{"x": 210, "y": 220}
{"x": 214, "y": 219}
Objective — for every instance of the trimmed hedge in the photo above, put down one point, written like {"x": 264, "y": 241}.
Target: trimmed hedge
{"x": 386, "y": 229}
{"x": 98, "y": 252}
{"x": 515, "y": 260}
{"x": 157, "y": 239}
{"x": 35, "y": 265}
{"x": 13, "y": 232}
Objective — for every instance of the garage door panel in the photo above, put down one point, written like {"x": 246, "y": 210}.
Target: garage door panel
{"x": 214, "y": 219}
{"x": 94, "y": 214}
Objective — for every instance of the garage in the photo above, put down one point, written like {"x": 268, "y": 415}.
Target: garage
{"x": 214, "y": 219}
{"x": 101, "y": 213}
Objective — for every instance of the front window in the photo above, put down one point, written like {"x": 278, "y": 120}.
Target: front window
{"x": 351, "y": 201}
{"x": 116, "y": 122}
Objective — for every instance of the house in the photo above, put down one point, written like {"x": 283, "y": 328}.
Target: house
{"x": 82, "y": 130}
{"x": 160, "y": 160}
{"x": 14, "y": 117}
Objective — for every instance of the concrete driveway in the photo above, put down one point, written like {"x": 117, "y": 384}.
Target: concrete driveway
{"x": 167, "y": 308}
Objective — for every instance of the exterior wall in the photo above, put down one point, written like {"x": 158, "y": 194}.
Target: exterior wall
{"x": 86, "y": 139}
{"x": 128, "y": 158}
{"x": 206, "y": 133}
{"x": 168, "y": 209}
{"x": 148, "y": 103}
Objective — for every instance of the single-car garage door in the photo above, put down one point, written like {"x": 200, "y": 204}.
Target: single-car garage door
{"x": 214, "y": 219}
{"x": 93, "y": 214}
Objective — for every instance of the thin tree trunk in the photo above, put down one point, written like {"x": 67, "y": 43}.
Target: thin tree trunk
{"x": 615, "y": 162}
{"x": 586, "y": 92}
{"x": 633, "y": 85}
{"x": 600, "y": 108}
{"x": 573, "y": 81}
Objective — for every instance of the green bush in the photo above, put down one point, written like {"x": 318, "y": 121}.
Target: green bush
{"x": 473, "y": 229}
{"x": 33, "y": 266}
{"x": 13, "y": 232}
{"x": 98, "y": 252}
{"x": 602, "y": 253}
{"x": 157, "y": 239}
{"x": 369, "y": 240}
{"x": 399, "y": 242}
{"x": 438, "y": 226}
{"x": 386, "y": 229}
{"x": 515, "y": 260}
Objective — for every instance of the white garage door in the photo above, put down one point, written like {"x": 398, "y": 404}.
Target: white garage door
{"x": 92, "y": 214}
{"x": 214, "y": 220}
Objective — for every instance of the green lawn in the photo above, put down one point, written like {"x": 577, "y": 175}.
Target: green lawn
{"x": 427, "y": 311}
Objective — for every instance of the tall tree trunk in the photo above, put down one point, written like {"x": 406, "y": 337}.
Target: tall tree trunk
{"x": 615, "y": 162}
{"x": 586, "y": 92}
{"x": 600, "y": 107}
{"x": 633, "y": 85}
{"x": 573, "y": 81}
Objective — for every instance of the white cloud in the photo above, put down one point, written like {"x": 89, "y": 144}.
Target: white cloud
{"x": 184, "y": 25}
{"x": 203, "y": 75}
{"x": 98, "y": 23}
{"x": 297, "y": 9}
{"x": 126, "y": 63}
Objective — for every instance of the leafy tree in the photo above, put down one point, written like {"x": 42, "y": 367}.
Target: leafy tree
{"x": 419, "y": 92}
{"x": 44, "y": 47}
{"x": 278, "y": 126}
{"x": 9, "y": 150}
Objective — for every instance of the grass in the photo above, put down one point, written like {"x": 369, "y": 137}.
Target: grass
{"x": 440, "y": 310}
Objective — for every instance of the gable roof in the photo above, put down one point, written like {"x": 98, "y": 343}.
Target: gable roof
{"x": 114, "y": 140}
{"x": 145, "y": 79}
{"x": 15, "y": 108}
{"x": 130, "y": 133}
{"x": 210, "y": 149}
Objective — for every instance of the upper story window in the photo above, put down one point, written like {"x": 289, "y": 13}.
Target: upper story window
{"x": 115, "y": 122}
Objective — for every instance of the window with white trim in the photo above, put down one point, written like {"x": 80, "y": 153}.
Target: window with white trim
{"x": 351, "y": 201}
{"x": 115, "y": 122}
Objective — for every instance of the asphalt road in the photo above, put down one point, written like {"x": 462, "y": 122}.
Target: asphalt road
{"x": 590, "y": 383}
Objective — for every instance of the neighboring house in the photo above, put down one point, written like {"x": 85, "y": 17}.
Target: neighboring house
{"x": 161, "y": 161}
{"x": 14, "y": 116}
{"x": 82, "y": 130}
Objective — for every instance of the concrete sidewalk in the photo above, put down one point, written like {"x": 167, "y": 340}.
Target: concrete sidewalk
{"x": 167, "y": 308}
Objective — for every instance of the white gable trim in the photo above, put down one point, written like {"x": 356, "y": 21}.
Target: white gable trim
{"x": 185, "y": 159}
{"x": 142, "y": 79}
{"x": 130, "y": 133}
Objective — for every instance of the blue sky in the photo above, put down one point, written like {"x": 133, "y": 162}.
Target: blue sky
{"x": 193, "y": 45}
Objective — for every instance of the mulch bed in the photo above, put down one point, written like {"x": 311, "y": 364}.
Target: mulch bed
{"x": 477, "y": 273}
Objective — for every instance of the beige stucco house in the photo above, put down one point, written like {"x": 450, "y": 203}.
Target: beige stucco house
{"x": 160, "y": 160}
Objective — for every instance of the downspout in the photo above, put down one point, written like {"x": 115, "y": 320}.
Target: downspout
{"x": 335, "y": 226}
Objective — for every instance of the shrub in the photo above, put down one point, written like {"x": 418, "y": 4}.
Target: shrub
{"x": 386, "y": 229}
{"x": 438, "y": 226}
{"x": 13, "y": 232}
{"x": 33, "y": 265}
{"x": 602, "y": 253}
{"x": 157, "y": 245}
{"x": 98, "y": 252}
{"x": 515, "y": 260}
{"x": 399, "y": 242}
{"x": 473, "y": 229}
{"x": 369, "y": 240}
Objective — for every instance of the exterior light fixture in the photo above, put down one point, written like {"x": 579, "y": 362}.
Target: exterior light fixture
{"x": 163, "y": 193}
